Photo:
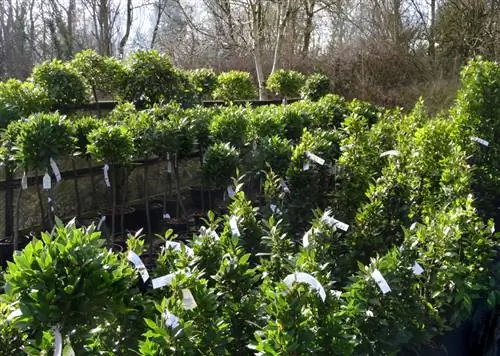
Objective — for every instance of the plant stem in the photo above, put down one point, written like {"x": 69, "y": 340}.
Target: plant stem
{"x": 146, "y": 206}
{"x": 16, "y": 227}
{"x": 77, "y": 192}
{"x": 113, "y": 207}
{"x": 123, "y": 200}
{"x": 40, "y": 202}
{"x": 92, "y": 181}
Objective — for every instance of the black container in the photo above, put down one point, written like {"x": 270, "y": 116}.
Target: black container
{"x": 210, "y": 197}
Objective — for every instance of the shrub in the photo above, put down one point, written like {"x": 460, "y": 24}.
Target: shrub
{"x": 230, "y": 125}
{"x": 63, "y": 84}
{"x": 151, "y": 78}
{"x": 204, "y": 81}
{"x": 286, "y": 83}
{"x": 112, "y": 144}
{"x": 316, "y": 86}
{"x": 102, "y": 74}
{"x": 69, "y": 281}
{"x": 234, "y": 85}
{"x": 20, "y": 99}
{"x": 41, "y": 137}
{"x": 219, "y": 164}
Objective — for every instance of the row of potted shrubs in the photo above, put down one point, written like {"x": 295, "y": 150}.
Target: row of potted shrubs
{"x": 392, "y": 229}
{"x": 147, "y": 77}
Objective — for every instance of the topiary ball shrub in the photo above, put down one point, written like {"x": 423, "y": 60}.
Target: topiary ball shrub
{"x": 204, "y": 81}
{"x": 315, "y": 87}
{"x": 68, "y": 281}
{"x": 20, "y": 99}
{"x": 230, "y": 125}
{"x": 42, "y": 137}
{"x": 286, "y": 83}
{"x": 219, "y": 164}
{"x": 102, "y": 74}
{"x": 63, "y": 84}
{"x": 151, "y": 78}
{"x": 112, "y": 144}
{"x": 234, "y": 85}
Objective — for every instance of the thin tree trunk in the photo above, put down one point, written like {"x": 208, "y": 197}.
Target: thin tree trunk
{"x": 124, "y": 201}
{"x": 40, "y": 201}
{"x": 113, "y": 207}
{"x": 124, "y": 39}
{"x": 18, "y": 213}
{"x": 146, "y": 207}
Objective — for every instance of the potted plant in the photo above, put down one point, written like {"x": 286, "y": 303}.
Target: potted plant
{"x": 219, "y": 166}
{"x": 113, "y": 145}
{"x": 43, "y": 138}
{"x": 74, "y": 293}
{"x": 286, "y": 83}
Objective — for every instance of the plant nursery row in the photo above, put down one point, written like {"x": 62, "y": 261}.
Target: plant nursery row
{"x": 346, "y": 229}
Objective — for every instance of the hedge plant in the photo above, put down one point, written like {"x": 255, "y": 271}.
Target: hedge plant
{"x": 316, "y": 86}
{"x": 63, "y": 85}
{"x": 234, "y": 85}
{"x": 286, "y": 83}
{"x": 219, "y": 164}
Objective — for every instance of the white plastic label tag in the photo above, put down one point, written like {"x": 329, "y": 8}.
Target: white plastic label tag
{"x": 417, "y": 269}
{"x": 480, "y": 141}
{"x": 390, "y": 153}
{"x": 301, "y": 277}
{"x": 139, "y": 265}
{"x": 166, "y": 216}
{"x": 230, "y": 191}
{"x": 188, "y": 300}
{"x": 284, "y": 186}
{"x": 275, "y": 209}
{"x": 24, "y": 181}
{"x": 106, "y": 175}
{"x": 234, "y": 226}
{"x": 16, "y": 313}
{"x": 163, "y": 281}
{"x": 327, "y": 219}
{"x": 380, "y": 280}
{"x": 306, "y": 166}
{"x": 58, "y": 342}
{"x": 55, "y": 169}
{"x": 101, "y": 221}
{"x": 305, "y": 238}
{"x": 47, "y": 182}
{"x": 315, "y": 158}
{"x": 176, "y": 246}
{"x": 169, "y": 167}
{"x": 171, "y": 320}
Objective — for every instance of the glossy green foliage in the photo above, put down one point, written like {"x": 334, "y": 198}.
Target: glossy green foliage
{"x": 286, "y": 83}
{"x": 68, "y": 280}
{"x": 219, "y": 164}
{"x": 63, "y": 85}
{"x": 204, "y": 81}
{"x": 20, "y": 99}
{"x": 230, "y": 125}
{"x": 234, "y": 85}
{"x": 41, "y": 137}
{"x": 316, "y": 86}
{"x": 111, "y": 144}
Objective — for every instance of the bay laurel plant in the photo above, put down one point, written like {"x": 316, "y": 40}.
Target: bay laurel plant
{"x": 286, "y": 83}
{"x": 69, "y": 282}
{"x": 234, "y": 85}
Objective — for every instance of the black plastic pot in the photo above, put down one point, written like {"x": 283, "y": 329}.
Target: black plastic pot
{"x": 6, "y": 253}
{"x": 210, "y": 197}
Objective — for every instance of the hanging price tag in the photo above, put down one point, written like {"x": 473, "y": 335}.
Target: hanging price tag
{"x": 230, "y": 191}
{"x": 305, "y": 238}
{"x": 166, "y": 216}
{"x": 306, "y": 166}
{"x": 171, "y": 320}
{"x": 284, "y": 186}
{"x": 380, "y": 280}
{"x": 139, "y": 265}
{"x": 47, "y": 182}
{"x": 480, "y": 141}
{"x": 188, "y": 300}
{"x": 327, "y": 219}
{"x": 16, "y": 313}
{"x": 58, "y": 342}
{"x": 314, "y": 158}
{"x": 234, "y": 226}
{"x": 417, "y": 269}
{"x": 390, "y": 153}
{"x": 101, "y": 221}
{"x": 301, "y": 277}
{"x": 275, "y": 209}
{"x": 55, "y": 169}
{"x": 24, "y": 182}
{"x": 106, "y": 175}
{"x": 163, "y": 281}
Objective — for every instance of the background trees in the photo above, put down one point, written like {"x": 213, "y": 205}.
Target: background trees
{"x": 388, "y": 51}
